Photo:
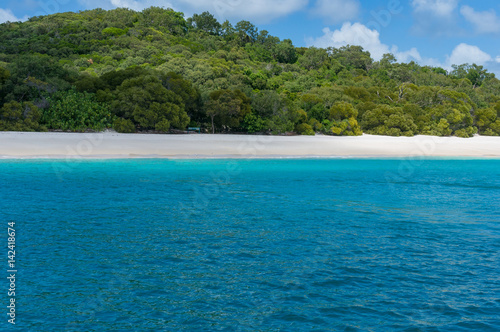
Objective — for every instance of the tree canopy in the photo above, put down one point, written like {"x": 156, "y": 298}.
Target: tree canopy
{"x": 157, "y": 71}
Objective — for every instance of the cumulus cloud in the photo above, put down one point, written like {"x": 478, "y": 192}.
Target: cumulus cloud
{"x": 435, "y": 17}
{"x": 257, "y": 11}
{"x": 443, "y": 8}
{"x": 407, "y": 56}
{"x": 483, "y": 22}
{"x": 6, "y": 15}
{"x": 464, "y": 53}
{"x": 360, "y": 35}
{"x": 336, "y": 11}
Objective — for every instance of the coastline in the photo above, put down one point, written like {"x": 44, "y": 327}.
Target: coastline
{"x": 110, "y": 145}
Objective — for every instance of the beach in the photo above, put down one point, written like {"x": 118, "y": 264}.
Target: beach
{"x": 111, "y": 145}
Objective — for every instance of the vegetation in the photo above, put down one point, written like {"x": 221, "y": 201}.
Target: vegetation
{"x": 157, "y": 71}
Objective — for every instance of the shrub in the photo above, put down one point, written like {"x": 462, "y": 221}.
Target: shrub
{"x": 123, "y": 126}
{"x": 305, "y": 129}
{"x": 163, "y": 125}
{"x": 76, "y": 111}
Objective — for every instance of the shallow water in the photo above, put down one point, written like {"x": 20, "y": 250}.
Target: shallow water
{"x": 255, "y": 245}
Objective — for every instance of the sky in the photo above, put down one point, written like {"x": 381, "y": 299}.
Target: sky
{"x": 429, "y": 32}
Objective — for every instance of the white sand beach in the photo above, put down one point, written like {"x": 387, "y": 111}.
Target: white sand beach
{"x": 113, "y": 145}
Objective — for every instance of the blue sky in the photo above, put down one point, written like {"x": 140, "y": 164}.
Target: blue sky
{"x": 430, "y": 32}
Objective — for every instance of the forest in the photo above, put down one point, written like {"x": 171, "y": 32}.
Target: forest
{"x": 156, "y": 71}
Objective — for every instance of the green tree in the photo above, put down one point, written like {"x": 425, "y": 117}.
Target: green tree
{"x": 164, "y": 19}
{"x": 285, "y": 52}
{"x": 342, "y": 110}
{"x": 226, "y": 108}
{"x": 488, "y": 121}
{"x": 254, "y": 123}
{"x": 206, "y": 22}
{"x": 16, "y": 116}
{"x": 247, "y": 32}
{"x": 76, "y": 111}
{"x": 313, "y": 58}
{"x": 352, "y": 57}
{"x": 474, "y": 73}
{"x": 146, "y": 102}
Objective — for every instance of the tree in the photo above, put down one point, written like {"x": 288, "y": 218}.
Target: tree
{"x": 488, "y": 121}
{"x": 352, "y": 56}
{"x": 16, "y": 116}
{"x": 227, "y": 29}
{"x": 76, "y": 111}
{"x": 185, "y": 90}
{"x": 285, "y": 52}
{"x": 155, "y": 71}
{"x": 474, "y": 73}
{"x": 146, "y": 102}
{"x": 164, "y": 19}
{"x": 206, "y": 22}
{"x": 343, "y": 116}
{"x": 343, "y": 110}
{"x": 266, "y": 103}
{"x": 387, "y": 60}
{"x": 247, "y": 32}
{"x": 227, "y": 108}
{"x": 313, "y": 58}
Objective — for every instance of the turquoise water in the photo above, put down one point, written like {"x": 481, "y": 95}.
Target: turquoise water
{"x": 254, "y": 245}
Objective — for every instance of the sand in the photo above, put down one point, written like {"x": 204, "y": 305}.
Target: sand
{"x": 14, "y": 145}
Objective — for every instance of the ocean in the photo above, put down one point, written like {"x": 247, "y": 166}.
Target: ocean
{"x": 252, "y": 245}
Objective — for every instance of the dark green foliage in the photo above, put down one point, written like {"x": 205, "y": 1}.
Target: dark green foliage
{"x": 226, "y": 109}
{"x": 254, "y": 123}
{"x": 155, "y": 70}
{"x": 15, "y": 116}
{"x": 305, "y": 129}
{"x": 165, "y": 20}
{"x": 146, "y": 102}
{"x": 475, "y": 74}
{"x": 313, "y": 58}
{"x": 352, "y": 57}
{"x": 76, "y": 111}
{"x": 206, "y": 22}
{"x": 123, "y": 125}
{"x": 488, "y": 121}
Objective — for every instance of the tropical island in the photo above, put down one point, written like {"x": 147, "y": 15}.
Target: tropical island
{"x": 156, "y": 71}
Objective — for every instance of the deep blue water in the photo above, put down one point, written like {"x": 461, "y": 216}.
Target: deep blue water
{"x": 254, "y": 245}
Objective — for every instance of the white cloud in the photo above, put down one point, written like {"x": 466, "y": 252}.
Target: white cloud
{"x": 461, "y": 54}
{"x": 359, "y": 35}
{"x": 336, "y": 11}
{"x": 464, "y": 53}
{"x": 443, "y": 8}
{"x": 435, "y": 17}
{"x": 484, "y": 22}
{"x": 256, "y": 11}
{"x": 6, "y": 15}
{"x": 407, "y": 56}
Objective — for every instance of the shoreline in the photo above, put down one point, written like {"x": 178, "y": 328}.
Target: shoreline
{"x": 110, "y": 145}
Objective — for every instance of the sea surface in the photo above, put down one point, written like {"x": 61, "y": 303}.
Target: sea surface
{"x": 253, "y": 245}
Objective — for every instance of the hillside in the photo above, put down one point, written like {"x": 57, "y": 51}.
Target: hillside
{"x": 155, "y": 71}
